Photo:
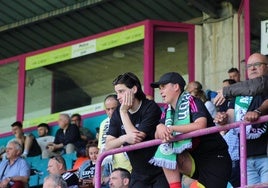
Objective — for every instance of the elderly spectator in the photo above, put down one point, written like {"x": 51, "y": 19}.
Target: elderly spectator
{"x": 57, "y": 166}
{"x": 67, "y": 139}
{"x": 54, "y": 181}
{"x": 14, "y": 170}
{"x": 248, "y": 108}
{"x": 120, "y": 159}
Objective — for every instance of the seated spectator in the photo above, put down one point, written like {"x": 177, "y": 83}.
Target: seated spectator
{"x": 57, "y": 166}
{"x": 86, "y": 135}
{"x": 14, "y": 170}
{"x": 54, "y": 181}
{"x": 29, "y": 144}
{"x": 195, "y": 88}
{"x": 119, "y": 178}
{"x": 86, "y": 172}
{"x": 44, "y": 138}
{"x": 67, "y": 139}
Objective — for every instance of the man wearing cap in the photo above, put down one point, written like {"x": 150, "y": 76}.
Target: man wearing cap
{"x": 135, "y": 121}
{"x": 204, "y": 158}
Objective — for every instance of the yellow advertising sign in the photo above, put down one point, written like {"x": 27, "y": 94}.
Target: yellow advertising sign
{"x": 120, "y": 38}
{"x": 48, "y": 58}
{"x": 85, "y": 48}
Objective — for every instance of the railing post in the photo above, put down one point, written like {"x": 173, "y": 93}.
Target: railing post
{"x": 243, "y": 156}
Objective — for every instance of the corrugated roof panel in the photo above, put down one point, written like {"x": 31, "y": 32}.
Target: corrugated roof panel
{"x": 28, "y": 42}
{"x": 35, "y": 34}
{"x": 75, "y": 28}
{"x": 65, "y": 20}
{"x": 118, "y": 17}
{"x": 4, "y": 18}
{"x": 5, "y": 11}
{"x": 97, "y": 19}
{"x": 143, "y": 10}
{"x": 86, "y": 27}
{"x": 133, "y": 14}
{"x": 57, "y": 35}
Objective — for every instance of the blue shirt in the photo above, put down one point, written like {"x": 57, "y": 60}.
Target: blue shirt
{"x": 19, "y": 168}
{"x": 232, "y": 139}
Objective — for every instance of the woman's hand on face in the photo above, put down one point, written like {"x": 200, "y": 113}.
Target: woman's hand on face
{"x": 128, "y": 100}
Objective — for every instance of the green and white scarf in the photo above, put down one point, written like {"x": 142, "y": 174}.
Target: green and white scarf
{"x": 242, "y": 104}
{"x": 166, "y": 153}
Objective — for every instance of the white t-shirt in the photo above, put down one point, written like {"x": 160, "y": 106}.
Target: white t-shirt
{"x": 43, "y": 141}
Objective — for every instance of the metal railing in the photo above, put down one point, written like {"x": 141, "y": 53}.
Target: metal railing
{"x": 210, "y": 130}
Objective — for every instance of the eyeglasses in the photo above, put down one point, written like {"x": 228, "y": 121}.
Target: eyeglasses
{"x": 256, "y": 64}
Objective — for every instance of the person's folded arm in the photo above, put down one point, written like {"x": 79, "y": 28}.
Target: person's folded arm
{"x": 113, "y": 142}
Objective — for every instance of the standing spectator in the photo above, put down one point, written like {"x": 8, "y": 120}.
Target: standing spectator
{"x": 234, "y": 74}
{"x": 67, "y": 139}
{"x": 223, "y": 107}
{"x": 54, "y": 181}
{"x": 120, "y": 159}
{"x": 44, "y": 138}
{"x": 84, "y": 132}
{"x": 134, "y": 121}
{"x": 204, "y": 158}
{"x": 119, "y": 178}
{"x": 14, "y": 170}
{"x": 257, "y": 134}
{"x": 29, "y": 144}
{"x": 57, "y": 166}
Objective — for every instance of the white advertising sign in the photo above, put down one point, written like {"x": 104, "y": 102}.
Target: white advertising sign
{"x": 264, "y": 37}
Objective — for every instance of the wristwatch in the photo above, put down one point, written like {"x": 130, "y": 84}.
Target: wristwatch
{"x": 258, "y": 111}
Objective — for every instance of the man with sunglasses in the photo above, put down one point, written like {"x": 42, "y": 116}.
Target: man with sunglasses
{"x": 57, "y": 166}
{"x": 134, "y": 121}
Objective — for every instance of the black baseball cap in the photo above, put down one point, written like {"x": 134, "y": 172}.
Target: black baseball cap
{"x": 170, "y": 77}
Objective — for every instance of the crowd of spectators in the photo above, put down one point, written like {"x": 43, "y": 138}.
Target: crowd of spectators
{"x": 205, "y": 161}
